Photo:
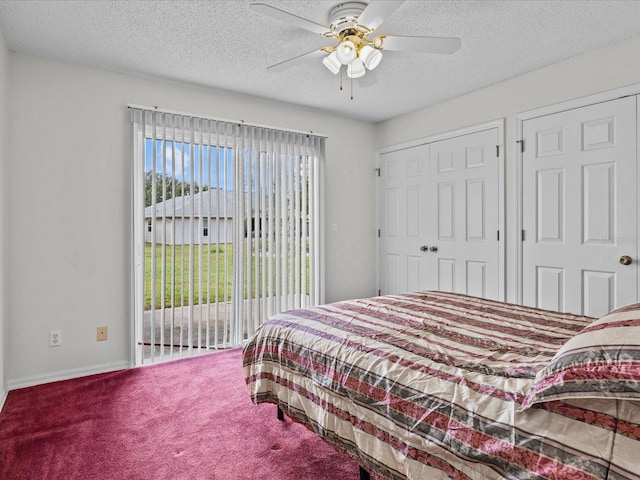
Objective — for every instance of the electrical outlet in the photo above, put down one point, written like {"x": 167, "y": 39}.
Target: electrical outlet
{"x": 101, "y": 333}
{"x": 55, "y": 338}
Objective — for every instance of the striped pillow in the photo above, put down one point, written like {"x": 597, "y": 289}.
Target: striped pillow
{"x": 601, "y": 361}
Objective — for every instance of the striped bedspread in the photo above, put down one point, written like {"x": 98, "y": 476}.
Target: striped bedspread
{"x": 430, "y": 385}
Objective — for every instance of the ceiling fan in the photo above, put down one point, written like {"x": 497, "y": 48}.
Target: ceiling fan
{"x": 353, "y": 26}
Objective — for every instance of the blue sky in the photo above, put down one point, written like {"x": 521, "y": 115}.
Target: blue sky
{"x": 216, "y": 164}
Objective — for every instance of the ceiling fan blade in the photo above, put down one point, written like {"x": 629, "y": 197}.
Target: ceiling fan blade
{"x": 446, "y": 45}
{"x": 377, "y": 12}
{"x": 278, "y": 67}
{"x": 289, "y": 18}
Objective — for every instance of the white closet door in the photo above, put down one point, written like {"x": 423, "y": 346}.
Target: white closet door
{"x": 403, "y": 220}
{"x": 464, "y": 195}
{"x": 439, "y": 217}
{"x": 579, "y": 208}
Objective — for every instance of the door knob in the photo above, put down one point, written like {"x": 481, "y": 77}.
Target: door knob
{"x": 434, "y": 249}
{"x": 424, "y": 248}
{"x": 625, "y": 260}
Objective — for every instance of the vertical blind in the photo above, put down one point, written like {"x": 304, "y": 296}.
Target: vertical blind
{"x": 227, "y": 230}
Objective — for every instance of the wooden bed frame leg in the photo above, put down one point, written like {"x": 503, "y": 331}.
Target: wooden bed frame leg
{"x": 364, "y": 475}
{"x": 280, "y": 414}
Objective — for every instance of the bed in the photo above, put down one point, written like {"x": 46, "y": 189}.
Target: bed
{"x": 432, "y": 385}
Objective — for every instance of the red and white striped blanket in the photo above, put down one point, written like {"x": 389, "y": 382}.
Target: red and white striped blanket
{"x": 430, "y": 385}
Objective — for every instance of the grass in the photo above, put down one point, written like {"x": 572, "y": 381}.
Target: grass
{"x": 215, "y": 272}
{"x": 216, "y": 287}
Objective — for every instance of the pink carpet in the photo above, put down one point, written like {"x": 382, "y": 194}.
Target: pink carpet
{"x": 188, "y": 419}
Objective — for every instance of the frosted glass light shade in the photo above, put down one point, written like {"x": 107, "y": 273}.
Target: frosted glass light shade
{"x": 355, "y": 69}
{"x": 346, "y": 52}
{"x": 332, "y": 63}
{"x": 370, "y": 56}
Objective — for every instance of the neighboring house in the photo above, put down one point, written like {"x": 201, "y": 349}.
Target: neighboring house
{"x": 205, "y": 216}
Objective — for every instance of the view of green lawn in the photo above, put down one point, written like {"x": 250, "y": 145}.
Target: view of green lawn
{"x": 216, "y": 287}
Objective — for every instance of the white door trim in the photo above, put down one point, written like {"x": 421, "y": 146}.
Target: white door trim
{"x": 638, "y": 185}
{"x": 520, "y": 118}
{"x": 500, "y": 125}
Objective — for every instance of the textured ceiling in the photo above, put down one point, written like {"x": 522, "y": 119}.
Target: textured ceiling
{"x": 224, "y": 44}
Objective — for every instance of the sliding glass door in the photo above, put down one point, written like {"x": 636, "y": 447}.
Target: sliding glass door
{"x": 227, "y": 230}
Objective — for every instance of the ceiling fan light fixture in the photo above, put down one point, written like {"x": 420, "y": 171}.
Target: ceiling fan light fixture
{"x": 353, "y": 25}
{"x": 356, "y": 69}
{"x": 370, "y": 56}
{"x": 346, "y": 52}
{"x": 332, "y": 63}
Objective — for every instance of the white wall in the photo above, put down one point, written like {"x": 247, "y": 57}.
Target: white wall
{"x": 594, "y": 72}
{"x": 70, "y": 206}
{"x": 4, "y": 63}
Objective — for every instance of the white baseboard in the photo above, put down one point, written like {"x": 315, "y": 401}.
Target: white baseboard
{"x": 3, "y": 397}
{"x": 32, "y": 380}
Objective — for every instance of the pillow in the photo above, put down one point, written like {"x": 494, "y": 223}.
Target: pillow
{"x": 601, "y": 361}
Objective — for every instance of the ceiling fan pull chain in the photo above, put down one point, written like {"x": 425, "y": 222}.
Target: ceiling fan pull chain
{"x": 351, "y": 88}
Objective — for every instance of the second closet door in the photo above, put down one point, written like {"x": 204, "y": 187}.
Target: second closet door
{"x": 580, "y": 210}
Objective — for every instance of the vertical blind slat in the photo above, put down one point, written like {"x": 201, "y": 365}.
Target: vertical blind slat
{"x": 277, "y": 234}
{"x": 208, "y": 216}
{"x": 153, "y": 236}
{"x": 254, "y": 267}
{"x": 264, "y": 225}
{"x": 173, "y": 235}
{"x": 181, "y": 230}
{"x": 239, "y": 244}
{"x": 270, "y": 224}
{"x": 190, "y": 276}
{"x": 138, "y": 138}
{"x": 198, "y": 226}
{"x": 163, "y": 235}
{"x": 291, "y": 218}
{"x": 304, "y": 175}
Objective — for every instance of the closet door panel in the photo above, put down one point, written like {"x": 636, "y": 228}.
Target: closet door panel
{"x": 403, "y": 211}
{"x": 464, "y": 173}
{"x": 580, "y": 208}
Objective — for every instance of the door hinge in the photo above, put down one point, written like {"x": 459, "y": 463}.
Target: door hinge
{"x": 497, "y": 150}
{"x": 379, "y": 292}
{"x": 378, "y": 233}
{"x": 498, "y": 235}
{"x": 523, "y": 235}
{"x": 378, "y": 171}
{"x": 521, "y": 142}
